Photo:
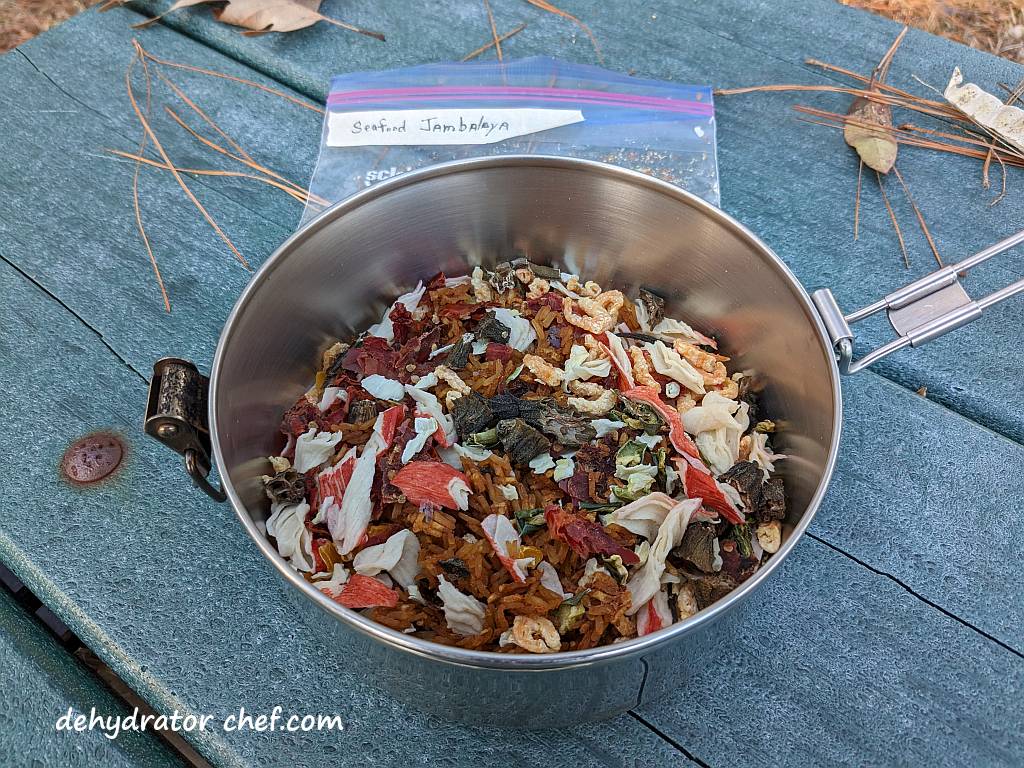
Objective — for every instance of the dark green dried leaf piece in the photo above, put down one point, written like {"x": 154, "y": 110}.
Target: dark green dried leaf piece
{"x": 639, "y": 415}
{"x": 471, "y": 414}
{"x": 698, "y": 547}
{"x": 529, "y": 520}
{"x": 521, "y": 441}
{"x": 455, "y": 567}
{"x": 486, "y": 439}
{"x": 360, "y": 411}
{"x": 492, "y": 329}
{"x": 747, "y": 478}
{"x": 773, "y": 501}
{"x": 564, "y": 425}
{"x": 655, "y": 306}
{"x": 288, "y": 487}
{"x": 741, "y": 535}
{"x": 458, "y": 355}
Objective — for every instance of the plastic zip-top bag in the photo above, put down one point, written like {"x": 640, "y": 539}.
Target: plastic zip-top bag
{"x": 382, "y": 124}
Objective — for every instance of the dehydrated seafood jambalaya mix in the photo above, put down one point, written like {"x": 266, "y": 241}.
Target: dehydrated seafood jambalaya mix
{"x": 520, "y": 461}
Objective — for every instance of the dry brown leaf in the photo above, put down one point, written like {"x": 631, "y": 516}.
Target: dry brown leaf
{"x": 870, "y": 130}
{"x": 259, "y": 16}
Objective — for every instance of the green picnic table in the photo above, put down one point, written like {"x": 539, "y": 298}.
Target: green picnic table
{"x": 894, "y": 634}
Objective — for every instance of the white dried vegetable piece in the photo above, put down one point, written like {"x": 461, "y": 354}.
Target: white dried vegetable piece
{"x": 645, "y": 582}
{"x": 541, "y": 463}
{"x": 509, "y": 491}
{"x": 522, "y": 334}
{"x": 644, "y": 516}
{"x": 481, "y": 288}
{"x": 564, "y": 469}
{"x": 330, "y": 397}
{"x": 384, "y": 329}
{"x": 347, "y": 522}
{"x": 676, "y": 329}
{"x": 382, "y": 387}
{"x": 717, "y": 430}
{"x": 762, "y": 455}
{"x": 333, "y": 583}
{"x": 424, "y": 428}
{"x": 428, "y": 404}
{"x": 651, "y": 441}
{"x": 606, "y": 426}
{"x": 472, "y": 452}
{"x": 620, "y": 359}
{"x": 581, "y": 365}
{"x": 399, "y": 556}
{"x": 670, "y": 363}
{"x": 589, "y": 569}
{"x": 549, "y": 579}
{"x": 463, "y": 614}
{"x": 314, "y": 448}
{"x": 287, "y": 524}
{"x": 987, "y": 110}
{"x": 672, "y": 390}
{"x": 769, "y": 536}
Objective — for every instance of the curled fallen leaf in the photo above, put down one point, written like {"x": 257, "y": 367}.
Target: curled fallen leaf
{"x": 869, "y": 129}
{"x": 259, "y": 16}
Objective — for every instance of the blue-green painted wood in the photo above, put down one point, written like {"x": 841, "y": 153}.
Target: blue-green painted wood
{"x": 40, "y": 681}
{"x": 162, "y": 584}
{"x": 792, "y": 183}
{"x": 98, "y": 231}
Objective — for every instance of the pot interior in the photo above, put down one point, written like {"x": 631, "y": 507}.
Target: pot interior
{"x": 622, "y": 229}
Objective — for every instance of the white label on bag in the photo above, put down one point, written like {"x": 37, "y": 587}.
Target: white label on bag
{"x": 441, "y": 126}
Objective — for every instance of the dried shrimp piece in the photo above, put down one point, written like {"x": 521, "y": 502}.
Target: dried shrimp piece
{"x": 710, "y": 365}
{"x": 535, "y": 634}
{"x": 543, "y": 370}
{"x": 537, "y": 288}
{"x": 481, "y": 288}
{"x": 601, "y": 400}
{"x": 642, "y": 369}
{"x": 452, "y": 379}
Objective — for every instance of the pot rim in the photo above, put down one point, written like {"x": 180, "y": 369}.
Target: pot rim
{"x": 491, "y": 659}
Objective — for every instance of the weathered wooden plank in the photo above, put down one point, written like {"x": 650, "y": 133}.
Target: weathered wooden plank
{"x": 836, "y": 666}
{"x": 831, "y": 664}
{"x": 792, "y": 183}
{"x": 161, "y": 584}
{"x": 40, "y": 682}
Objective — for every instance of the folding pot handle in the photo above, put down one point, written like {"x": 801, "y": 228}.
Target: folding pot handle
{"x": 919, "y": 312}
{"x": 176, "y": 416}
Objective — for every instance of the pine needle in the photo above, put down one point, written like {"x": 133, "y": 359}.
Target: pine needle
{"x": 213, "y": 73}
{"x": 892, "y": 216}
{"x": 544, "y": 5}
{"x": 494, "y": 30}
{"x": 135, "y": 197}
{"x": 181, "y": 182}
{"x": 490, "y": 44}
{"x": 856, "y": 204}
{"x": 920, "y": 216}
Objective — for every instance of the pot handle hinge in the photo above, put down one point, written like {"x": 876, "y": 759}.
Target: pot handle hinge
{"x": 176, "y": 416}
{"x": 919, "y": 312}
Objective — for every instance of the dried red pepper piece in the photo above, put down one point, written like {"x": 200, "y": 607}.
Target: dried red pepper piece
{"x": 497, "y": 351}
{"x": 296, "y": 419}
{"x": 697, "y": 484}
{"x": 374, "y": 355}
{"x": 401, "y": 322}
{"x": 584, "y": 537}
{"x": 364, "y": 592}
{"x": 550, "y": 299}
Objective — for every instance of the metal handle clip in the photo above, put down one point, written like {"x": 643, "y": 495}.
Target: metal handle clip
{"x": 919, "y": 312}
{"x": 176, "y": 416}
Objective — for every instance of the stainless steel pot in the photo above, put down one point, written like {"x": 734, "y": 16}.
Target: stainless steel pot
{"x": 336, "y": 275}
